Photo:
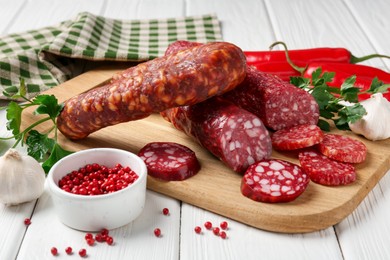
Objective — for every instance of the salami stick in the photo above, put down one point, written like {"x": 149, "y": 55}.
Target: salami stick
{"x": 277, "y": 103}
{"x": 234, "y": 135}
{"x": 182, "y": 78}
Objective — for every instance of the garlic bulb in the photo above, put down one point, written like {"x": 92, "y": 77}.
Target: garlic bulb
{"x": 22, "y": 178}
{"x": 375, "y": 125}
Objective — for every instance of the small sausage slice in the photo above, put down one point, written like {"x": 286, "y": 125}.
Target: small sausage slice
{"x": 297, "y": 137}
{"x": 325, "y": 171}
{"x": 169, "y": 161}
{"x": 274, "y": 180}
{"x": 343, "y": 148}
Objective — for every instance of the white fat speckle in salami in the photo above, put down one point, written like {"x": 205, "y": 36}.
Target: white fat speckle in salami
{"x": 169, "y": 161}
{"x": 276, "y": 166}
{"x": 248, "y": 125}
{"x": 256, "y": 122}
{"x": 250, "y": 160}
{"x": 148, "y": 154}
{"x": 259, "y": 168}
{"x": 274, "y": 180}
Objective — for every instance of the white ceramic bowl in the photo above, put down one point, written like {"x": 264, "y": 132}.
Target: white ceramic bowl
{"x": 93, "y": 213}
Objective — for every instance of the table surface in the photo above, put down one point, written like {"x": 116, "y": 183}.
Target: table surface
{"x": 361, "y": 26}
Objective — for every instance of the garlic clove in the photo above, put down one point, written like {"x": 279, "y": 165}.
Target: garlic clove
{"x": 22, "y": 178}
{"x": 375, "y": 125}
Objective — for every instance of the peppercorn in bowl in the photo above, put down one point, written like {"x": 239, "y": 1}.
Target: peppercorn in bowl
{"x": 98, "y": 188}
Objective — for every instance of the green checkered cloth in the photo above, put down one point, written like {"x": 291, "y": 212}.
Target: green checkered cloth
{"x": 47, "y": 57}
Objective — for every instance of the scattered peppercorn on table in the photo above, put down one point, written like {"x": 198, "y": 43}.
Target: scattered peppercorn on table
{"x": 169, "y": 228}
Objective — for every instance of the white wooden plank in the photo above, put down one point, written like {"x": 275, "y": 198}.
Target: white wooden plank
{"x": 9, "y": 12}
{"x": 244, "y": 23}
{"x": 144, "y": 9}
{"x": 364, "y": 234}
{"x": 12, "y": 227}
{"x": 244, "y": 242}
{"x": 375, "y": 26}
{"x": 133, "y": 241}
{"x": 36, "y": 14}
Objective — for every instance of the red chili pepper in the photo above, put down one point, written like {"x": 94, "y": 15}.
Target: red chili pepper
{"x": 364, "y": 75}
{"x": 281, "y": 69}
{"x": 325, "y": 54}
{"x": 352, "y": 69}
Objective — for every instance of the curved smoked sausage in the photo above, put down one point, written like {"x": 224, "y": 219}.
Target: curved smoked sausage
{"x": 184, "y": 78}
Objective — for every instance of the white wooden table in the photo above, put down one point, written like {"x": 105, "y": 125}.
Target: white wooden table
{"x": 361, "y": 26}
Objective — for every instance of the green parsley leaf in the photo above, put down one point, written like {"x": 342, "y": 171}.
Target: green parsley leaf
{"x": 377, "y": 86}
{"x": 14, "y": 117}
{"x": 47, "y": 104}
{"x": 329, "y": 98}
{"x": 39, "y": 145}
{"x": 348, "y": 90}
{"x": 56, "y": 154}
{"x": 300, "y": 82}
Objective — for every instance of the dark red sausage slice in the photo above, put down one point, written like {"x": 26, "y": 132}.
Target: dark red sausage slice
{"x": 326, "y": 171}
{"x": 234, "y": 135}
{"x": 274, "y": 180}
{"x": 343, "y": 148}
{"x": 169, "y": 161}
{"x": 297, "y": 137}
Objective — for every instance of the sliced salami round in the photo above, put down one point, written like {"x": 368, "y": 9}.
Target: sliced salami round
{"x": 326, "y": 171}
{"x": 343, "y": 148}
{"x": 274, "y": 180}
{"x": 169, "y": 161}
{"x": 297, "y": 137}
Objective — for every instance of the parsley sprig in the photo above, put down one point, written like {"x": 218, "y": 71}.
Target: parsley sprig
{"x": 39, "y": 145}
{"x": 339, "y": 105}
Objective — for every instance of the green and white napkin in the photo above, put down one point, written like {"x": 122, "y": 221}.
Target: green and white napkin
{"x": 49, "y": 56}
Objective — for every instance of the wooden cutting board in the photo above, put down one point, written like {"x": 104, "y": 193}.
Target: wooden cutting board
{"x": 217, "y": 188}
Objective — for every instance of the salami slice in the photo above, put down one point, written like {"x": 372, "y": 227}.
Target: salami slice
{"x": 274, "y": 180}
{"x": 343, "y": 148}
{"x": 169, "y": 161}
{"x": 277, "y": 103}
{"x": 326, "y": 171}
{"x": 183, "y": 78}
{"x": 234, "y": 135}
{"x": 297, "y": 137}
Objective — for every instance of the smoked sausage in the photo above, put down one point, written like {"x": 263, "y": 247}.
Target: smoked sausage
{"x": 183, "y": 78}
